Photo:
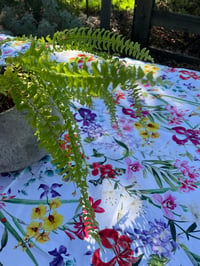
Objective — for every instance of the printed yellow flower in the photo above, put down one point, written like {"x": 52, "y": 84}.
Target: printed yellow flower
{"x": 54, "y": 203}
{"x": 17, "y": 43}
{"x": 137, "y": 125}
{"x": 149, "y": 68}
{"x": 38, "y": 212}
{"x": 145, "y": 94}
{"x": 43, "y": 237}
{"x": 33, "y": 228}
{"x": 153, "y": 127}
{"x": 24, "y": 248}
{"x": 155, "y": 135}
{"x": 144, "y": 134}
{"x": 53, "y": 221}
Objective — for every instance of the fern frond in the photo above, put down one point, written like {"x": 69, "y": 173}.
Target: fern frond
{"x": 46, "y": 90}
{"x": 100, "y": 41}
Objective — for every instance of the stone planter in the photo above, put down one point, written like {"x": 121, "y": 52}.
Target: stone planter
{"x": 18, "y": 145}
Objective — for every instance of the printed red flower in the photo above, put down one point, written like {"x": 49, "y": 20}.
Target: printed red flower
{"x": 71, "y": 237}
{"x": 95, "y": 205}
{"x": 107, "y": 171}
{"x": 119, "y": 95}
{"x": 121, "y": 246}
{"x": 185, "y": 74}
{"x": 95, "y": 170}
{"x": 81, "y": 231}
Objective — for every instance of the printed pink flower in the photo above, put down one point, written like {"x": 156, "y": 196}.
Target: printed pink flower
{"x": 132, "y": 167}
{"x": 124, "y": 124}
{"x": 167, "y": 203}
{"x": 121, "y": 246}
{"x": 187, "y": 185}
{"x": 177, "y": 115}
{"x": 198, "y": 151}
{"x": 170, "y": 70}
{"x": 186, "y": 170}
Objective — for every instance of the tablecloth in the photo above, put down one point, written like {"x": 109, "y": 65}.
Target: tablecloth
{"x": 143, "y": 185}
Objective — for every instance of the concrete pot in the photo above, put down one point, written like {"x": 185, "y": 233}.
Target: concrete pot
{"x": 18, "y": 145}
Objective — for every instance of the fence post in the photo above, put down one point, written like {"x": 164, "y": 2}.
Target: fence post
{"x": 142, "y": 21}
{"x": 105, "y": 14}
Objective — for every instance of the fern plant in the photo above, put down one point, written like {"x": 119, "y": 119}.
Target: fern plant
{"x": 46, "y": 90}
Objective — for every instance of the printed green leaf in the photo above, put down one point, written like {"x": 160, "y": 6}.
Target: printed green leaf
{"x": 139, "y": 260}
{"x": 155, "y": 260}
{"x": 166, "y": 179}
{"x": 15, "y": 234}
{"x": 191, "y": 228}
{"x": 173, "y": 229}
{"x": 4, "y": 239}
{"x": 157, "y": 178}
{"x": 35, "y": 202}
{"x": 194, "y": 258}
{"x": 97, "y": 154}
{"x": 125, "y": 147}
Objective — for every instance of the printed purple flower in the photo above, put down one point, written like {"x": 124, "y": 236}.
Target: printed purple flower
{"x": 87, "y": 116}
{"x": 50, "y": 190}
{"x": 94, "y": 131}
{"x": 128, "y": 111}
{"x": 158, "y": 238}
{"x": 188, "y": 134}
{"x": 58, "y": 258}
{"x": 164, "y": 77}
{"x": 131, "y": 112}
{"x": 189, "y": 86}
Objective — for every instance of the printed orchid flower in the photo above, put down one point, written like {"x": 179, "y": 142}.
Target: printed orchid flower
{"x": 58, "y": 258}
{"x": 167, "y": 203}
{"x": 87, "y": 116}
{"x": 50, "y": 190}
{"x": 132, "y": 167}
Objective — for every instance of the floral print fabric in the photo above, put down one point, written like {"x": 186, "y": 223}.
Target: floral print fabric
{"x": 143, "y": 185}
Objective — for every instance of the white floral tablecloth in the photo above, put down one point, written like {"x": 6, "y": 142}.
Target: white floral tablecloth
{"x": 143, "y": 185}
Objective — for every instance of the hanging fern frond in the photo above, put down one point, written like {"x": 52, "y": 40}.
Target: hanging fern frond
{"x": 101, "y": 41}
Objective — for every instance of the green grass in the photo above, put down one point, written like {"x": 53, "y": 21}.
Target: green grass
{"x": 96, "y": 4}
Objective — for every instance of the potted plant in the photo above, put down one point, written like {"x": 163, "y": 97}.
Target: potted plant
{"x": 46, "y": 90}
{"x": 18, "y": 144}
